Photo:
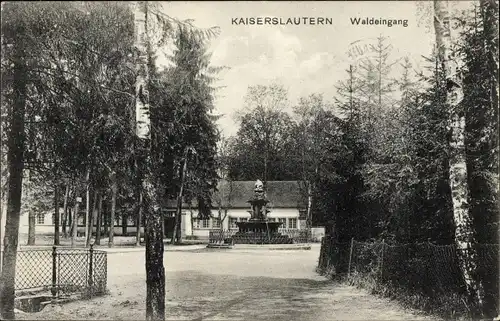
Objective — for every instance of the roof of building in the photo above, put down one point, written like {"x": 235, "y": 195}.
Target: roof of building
{"x": 235, "y": 194}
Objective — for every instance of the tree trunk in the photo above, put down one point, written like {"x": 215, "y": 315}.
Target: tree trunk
{"x": 114, "y": 190}
{"x": 87, "y": 209}
{"x": 56, "y": 214}
{"x": 219, "y": 217}
{"x": 15, "y": 161}
{"x": 98, "y": 221}
{"x": 31, "y": 227}
{"x": 192, "y": 219}
{"x": 155, "y": 272}
{"x": 139, "y": 219}
{"x": 31, "y": 212}
{"x": 65, "y": 211}
{"x": 221, "y": 202}
{"x": 309, "y": 205}
{"x": 93, "y": 217}
{"x": 177, "y": 236}
{"x": 70, "y": 221}
{"x": 456, "y": 162}
{"x": 457, "y": 171}
{"x": 124, "y": 223}
{"x": 74, "y": 229}
{"x": 105, "y": 217}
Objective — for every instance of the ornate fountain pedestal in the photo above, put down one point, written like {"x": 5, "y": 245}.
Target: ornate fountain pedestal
{"x": 258, "y": 230}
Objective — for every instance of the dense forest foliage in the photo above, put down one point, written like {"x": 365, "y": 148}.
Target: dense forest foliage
{"x": 69, "y": 75}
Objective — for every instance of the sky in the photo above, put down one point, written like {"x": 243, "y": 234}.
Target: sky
{"x": 305, "y": 59}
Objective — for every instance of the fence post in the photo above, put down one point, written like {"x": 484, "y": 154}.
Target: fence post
{"x": 91, "y": 263}
{"x": 350, "y": 259}
{"x": 54, "y": 271}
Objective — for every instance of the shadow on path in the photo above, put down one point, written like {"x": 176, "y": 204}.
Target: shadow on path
{"x": 267, "y": 298}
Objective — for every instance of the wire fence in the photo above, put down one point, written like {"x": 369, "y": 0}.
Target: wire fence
{"x": 62, "y": 271}
{"x": 426, "y": 276}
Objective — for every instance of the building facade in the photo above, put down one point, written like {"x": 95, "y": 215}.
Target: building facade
{"x": 287, "y": 204}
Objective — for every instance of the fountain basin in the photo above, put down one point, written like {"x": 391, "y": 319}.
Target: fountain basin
{"x": 259, "y": 232}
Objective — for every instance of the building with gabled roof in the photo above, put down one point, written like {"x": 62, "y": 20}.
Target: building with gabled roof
{"x": 287, "y": 204}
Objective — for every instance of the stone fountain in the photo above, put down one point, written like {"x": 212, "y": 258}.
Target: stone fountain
{"x": 258, "y": 230}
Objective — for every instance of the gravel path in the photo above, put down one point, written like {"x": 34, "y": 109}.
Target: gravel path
{"x": 231, "y": 285}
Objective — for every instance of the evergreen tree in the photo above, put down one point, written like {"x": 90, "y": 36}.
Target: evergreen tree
{"x": 481, "y": 143}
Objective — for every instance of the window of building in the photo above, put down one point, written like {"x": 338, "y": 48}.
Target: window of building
{"x": 40, "y": 218}
{"x": 196, "y": 223}
{"x": 292, "y": 223}
{"x": 282, "y": 220}
{"x": 205, "y": 223}
{"x": 243, "y": 219}
{"x": 216, "y": 222}
{"x": 232, "y": 222}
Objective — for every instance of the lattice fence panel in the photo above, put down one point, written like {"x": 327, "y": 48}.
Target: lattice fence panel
{"x": 33, "y": 269}
{"x": 62, "y": 270}
{"x": 73, "y": 274}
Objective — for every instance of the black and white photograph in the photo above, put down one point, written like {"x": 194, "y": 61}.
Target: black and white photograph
{"x": 250, "y": 160}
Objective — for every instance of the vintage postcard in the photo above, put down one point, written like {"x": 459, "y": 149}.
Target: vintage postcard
{"x": 249, "y": 160}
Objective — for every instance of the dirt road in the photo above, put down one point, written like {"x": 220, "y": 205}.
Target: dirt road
{"x": 229, "y": 285}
